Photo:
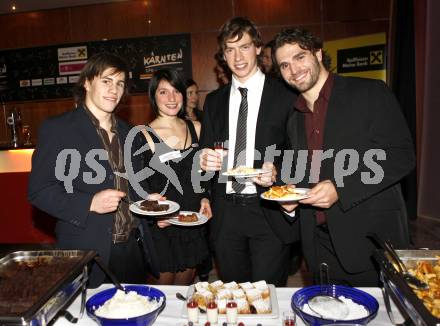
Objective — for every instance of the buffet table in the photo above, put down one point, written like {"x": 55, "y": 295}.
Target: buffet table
{"x": 171, "y": 316}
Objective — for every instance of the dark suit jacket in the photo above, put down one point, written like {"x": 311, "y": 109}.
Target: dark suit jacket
{"x": 275, "y": 108}
{"x": 362, "y": 114}
{"x": 77, "y": 227}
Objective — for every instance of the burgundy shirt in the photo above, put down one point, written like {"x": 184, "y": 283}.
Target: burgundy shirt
{"x": 314, "y": 122}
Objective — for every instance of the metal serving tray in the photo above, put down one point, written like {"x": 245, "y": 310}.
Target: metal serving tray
{"x": 56, "y": 296}
{"x": 395, "y": 285}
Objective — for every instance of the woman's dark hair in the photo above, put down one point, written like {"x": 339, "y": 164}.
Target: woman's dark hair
{"x": 269, "y": 45}
{"x": 190, "y": 82}
{"x": 236, "y": 27}
{"x": 95, "y": 67}
{"x": 305, "y": 40}
{"x": 176, "y": 80}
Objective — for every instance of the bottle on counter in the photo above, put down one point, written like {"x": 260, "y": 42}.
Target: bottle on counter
{"x": 231, "y": 312}
{"x": 212, "y": 312}
{"x": 193, "y": 310}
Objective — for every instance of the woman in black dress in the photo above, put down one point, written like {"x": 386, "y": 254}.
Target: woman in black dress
{"x": 192, "y": 110}
{"x": 172, "y": 143}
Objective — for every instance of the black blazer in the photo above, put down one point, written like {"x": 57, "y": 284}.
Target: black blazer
{"x": 275, "y": 108}
{"x": 76, "y": 228}
{"x": 362, "y": 115}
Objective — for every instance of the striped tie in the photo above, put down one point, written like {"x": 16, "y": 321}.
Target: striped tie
{"x": 240, "y": 138}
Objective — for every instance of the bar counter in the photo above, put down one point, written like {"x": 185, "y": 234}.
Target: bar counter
{"x": 21, "y": 223}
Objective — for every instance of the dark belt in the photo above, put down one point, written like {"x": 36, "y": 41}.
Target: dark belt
{"x": 242, "y": 199}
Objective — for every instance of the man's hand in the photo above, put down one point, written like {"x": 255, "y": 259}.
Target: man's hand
{"x": 106, "y": 201}
{"x": 205, "y": 208}
{"x": 323, "y": 195}
{"x": 268, "y": 178}
{"x": 211, "y": 160}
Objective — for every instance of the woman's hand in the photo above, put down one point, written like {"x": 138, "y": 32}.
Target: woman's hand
{"x": 205, "y": 208}
{"x": 163, "y": 223}
{"x": 156, "y": 196}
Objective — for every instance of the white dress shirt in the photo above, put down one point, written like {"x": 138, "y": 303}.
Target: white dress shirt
{"x": 254, "y": 86}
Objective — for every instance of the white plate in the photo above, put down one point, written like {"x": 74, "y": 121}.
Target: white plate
{"x": 273, "y": 302}
{"x": 302, "y": 194}
{"x": 202, "y": 219}
{"x": 173, "y": 208}
{"x": 254, "y": 173}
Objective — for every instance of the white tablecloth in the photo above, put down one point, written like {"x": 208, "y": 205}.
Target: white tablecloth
{"x": 171, "y": 315}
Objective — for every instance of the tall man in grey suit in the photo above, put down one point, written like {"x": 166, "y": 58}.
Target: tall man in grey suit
{"x": 251, "y": 238}
{"x": 362, "y": 148}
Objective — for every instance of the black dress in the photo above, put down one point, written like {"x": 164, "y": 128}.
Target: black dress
{"x": 178, "y": 247}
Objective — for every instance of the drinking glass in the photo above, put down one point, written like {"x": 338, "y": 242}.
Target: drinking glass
{"x": 26, "y": 131}
{"x": 289, "y": 318}
{"x": 219, "y": 147}
{"x": 193, "y": 310}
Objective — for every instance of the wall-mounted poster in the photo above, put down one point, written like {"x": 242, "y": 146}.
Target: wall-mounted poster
{"x": 50, "y": 72}
{"x": 361, "y": 56}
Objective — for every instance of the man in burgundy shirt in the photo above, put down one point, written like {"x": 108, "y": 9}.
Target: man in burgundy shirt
{"x": 359, "y": 149}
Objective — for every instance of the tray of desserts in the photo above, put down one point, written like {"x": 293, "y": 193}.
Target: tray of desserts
{"x": 36, "y": 285}
{"x": 154, "y": 207}
{"x": 254, "y": 300}
{"x": 421, "y": 305}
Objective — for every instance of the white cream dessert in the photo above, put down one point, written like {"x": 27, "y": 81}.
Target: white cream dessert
{"x": 332, "y": 311}
{"x": 127, "y": 305}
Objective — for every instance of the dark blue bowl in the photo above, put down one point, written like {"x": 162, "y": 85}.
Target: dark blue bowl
{"x": 100, "y": 298}
{"x": 301, "y": 297}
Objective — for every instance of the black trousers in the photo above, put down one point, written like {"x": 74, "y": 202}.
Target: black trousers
{"x": 127, "y": 261}
{"x": 325, "y": 253}
{"x": 246, "y": 247}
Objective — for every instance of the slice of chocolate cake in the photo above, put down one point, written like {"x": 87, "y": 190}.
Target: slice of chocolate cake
{"x": 154, "y": 206}
{"x": 188, "y": 218}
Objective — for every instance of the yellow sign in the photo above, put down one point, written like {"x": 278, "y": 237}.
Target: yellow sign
{"x": 361, "y": 56}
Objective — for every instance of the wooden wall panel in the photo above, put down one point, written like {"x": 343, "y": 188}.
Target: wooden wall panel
{"x": 169, "y": 16}
{"x": 30, "y": 29}
{"x": 204, "y": 46}
{"x": 109, "y": 21}
{"x": 338, "y": 30}
{"x": 208, "y": 15}
{"x": 328, "y": 19}
{"x": 342, "y": 10}
{"x": 279, "y": 12}
{"x": 136, "y": 110}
